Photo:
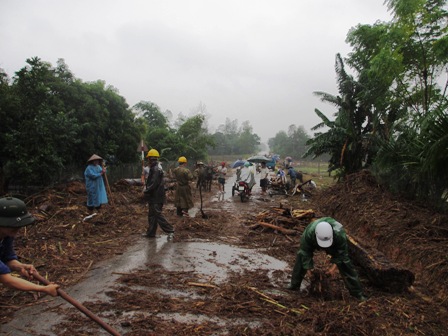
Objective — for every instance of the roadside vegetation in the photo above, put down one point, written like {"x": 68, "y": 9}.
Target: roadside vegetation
{"x": 391, "y": 109}
{"x": 390, "y": 115}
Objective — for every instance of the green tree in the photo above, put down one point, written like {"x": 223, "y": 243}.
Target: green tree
{"x": 404, "y": 60}
{"x": 41, "y": 136}
{"x": 233, "y": 139}
{"x": 158, "y": 134}
{"x": 151, "y": 113}
{"x": 52, "y": 120}
{"x": 247, "y": 141}
{"x": 279, "y": 143}
{"x": 194, "y": 137}
{"x": 291, "y": 143}
{"x": 346, "y": 138}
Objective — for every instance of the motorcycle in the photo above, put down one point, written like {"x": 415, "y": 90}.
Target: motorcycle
{"x": 241, "y": 189}
{"x": 275, "y": 187}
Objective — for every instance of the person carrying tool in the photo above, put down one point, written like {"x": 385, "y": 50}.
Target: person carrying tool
{"x": 14, "y": 216}
{"x": 96, "y": 191}
{"x": 329, "y": 235}
{"x": 155, "y": 195}
{"x": 183, "y": 199}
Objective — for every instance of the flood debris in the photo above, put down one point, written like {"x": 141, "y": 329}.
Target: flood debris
{"x": 157, "y": 301}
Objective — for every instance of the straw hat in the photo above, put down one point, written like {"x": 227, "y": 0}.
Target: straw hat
{"x": 94, "y": 157}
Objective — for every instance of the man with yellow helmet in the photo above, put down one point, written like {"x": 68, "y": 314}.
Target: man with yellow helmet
{"x": 155, "y": 195}
{"x": 183, "y": 199}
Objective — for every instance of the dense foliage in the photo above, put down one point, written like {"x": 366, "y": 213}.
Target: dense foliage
{"x": 188, "y": 138}
{"x": 392, "y": 113}
{"x": 52, "y": 122}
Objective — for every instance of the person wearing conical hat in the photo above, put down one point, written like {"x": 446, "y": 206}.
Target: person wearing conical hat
{"x": 96, "y": 191}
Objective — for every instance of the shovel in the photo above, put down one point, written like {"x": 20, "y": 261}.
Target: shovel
{"x": 79, "y": 306}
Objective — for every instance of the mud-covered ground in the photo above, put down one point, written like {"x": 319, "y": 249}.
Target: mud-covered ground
{"x": 64, "y": 248}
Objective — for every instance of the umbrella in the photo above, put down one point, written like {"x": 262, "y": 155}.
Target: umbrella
{"x": 238, "y": 163}
{"x": 258, "y": 159}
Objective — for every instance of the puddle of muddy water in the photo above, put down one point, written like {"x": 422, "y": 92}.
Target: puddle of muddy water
{"x": 206, "y": 259}
{"x": 228, "y": 202}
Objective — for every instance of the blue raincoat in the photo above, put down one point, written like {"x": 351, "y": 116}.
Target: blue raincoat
{"x": 96, "y": 192}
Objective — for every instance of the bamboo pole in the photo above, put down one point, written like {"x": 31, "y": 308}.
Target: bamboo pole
{"x": 106, "y": 181}
{"x": 79, "y": 306}
{"x": 278, "y": 228}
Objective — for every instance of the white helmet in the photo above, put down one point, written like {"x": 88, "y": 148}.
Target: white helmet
{"x": 324, "y": 234}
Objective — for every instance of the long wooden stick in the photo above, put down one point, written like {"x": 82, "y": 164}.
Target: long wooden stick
{"x": 278, "y": 228}
{"x": 108, "y": 188}
{"x": 79, "y": 306}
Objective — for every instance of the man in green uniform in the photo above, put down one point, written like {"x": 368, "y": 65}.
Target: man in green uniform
{"x": 326, "y": 234}
{"x": 183, "y": 200}
{"x": 156, "y": 197}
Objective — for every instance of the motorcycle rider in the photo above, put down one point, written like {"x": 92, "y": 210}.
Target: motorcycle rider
{"x": 248, "y": 175}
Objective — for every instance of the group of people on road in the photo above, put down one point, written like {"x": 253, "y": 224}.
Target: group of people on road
{"x": 325, "y": 233}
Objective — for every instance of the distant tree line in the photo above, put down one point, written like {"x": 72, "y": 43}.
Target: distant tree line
{"x": 391, "y": 114}
{"x": 233, "y": 139}
{"x": 291, "y": 143}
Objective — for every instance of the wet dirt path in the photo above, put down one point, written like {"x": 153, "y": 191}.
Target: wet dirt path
{"x": 207, "y": 259}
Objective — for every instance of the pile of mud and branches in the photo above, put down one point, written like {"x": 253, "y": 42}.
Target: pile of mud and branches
{"x": 411, "y": 234}
{"x": 157, "y": 301}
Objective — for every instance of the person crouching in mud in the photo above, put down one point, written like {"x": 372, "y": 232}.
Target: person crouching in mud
{"x": 329, "y": 235}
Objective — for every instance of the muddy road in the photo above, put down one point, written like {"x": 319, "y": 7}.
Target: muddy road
{"x": 218, "y": 276}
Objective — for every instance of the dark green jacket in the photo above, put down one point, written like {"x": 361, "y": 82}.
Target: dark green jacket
{"x": 308, "y": 243}
{"x": 155, "y": 185}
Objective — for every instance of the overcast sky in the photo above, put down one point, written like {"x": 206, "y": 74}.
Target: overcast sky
{"x": 254, "y": 60}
